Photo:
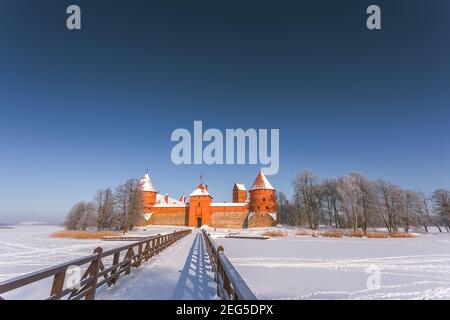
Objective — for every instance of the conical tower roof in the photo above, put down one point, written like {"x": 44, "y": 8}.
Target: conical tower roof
{"x": 146, "y": 184}
{"x": 261, "y": 183}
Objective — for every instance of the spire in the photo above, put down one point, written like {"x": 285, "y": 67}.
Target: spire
{"x": 146, "y": 184}
{"x": 261, "y": 182}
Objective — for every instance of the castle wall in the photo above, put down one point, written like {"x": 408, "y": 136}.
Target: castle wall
{"x": 233, "y": 217}
{"x": 260, "y": 220}
{"x": 174, "y": 216}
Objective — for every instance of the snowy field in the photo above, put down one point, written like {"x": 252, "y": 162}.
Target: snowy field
{"x": 24, "y": 249}
{"x": 342, "y": 268}
{"x": 291, "y": 267}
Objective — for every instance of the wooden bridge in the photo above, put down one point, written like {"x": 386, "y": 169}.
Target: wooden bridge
{"x": 193, "y": 268}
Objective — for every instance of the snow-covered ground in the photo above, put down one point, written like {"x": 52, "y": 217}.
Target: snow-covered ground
{"x": 180, "y": 272}
{"x": 296, "y": 267}
{"x": 28, "y": 248}
{"x": 290, "y": 267}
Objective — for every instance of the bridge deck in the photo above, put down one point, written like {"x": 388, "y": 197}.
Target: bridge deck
{"x": 182, "y": 271}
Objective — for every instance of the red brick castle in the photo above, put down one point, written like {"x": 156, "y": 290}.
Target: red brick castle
{"x": 257, "y": 211}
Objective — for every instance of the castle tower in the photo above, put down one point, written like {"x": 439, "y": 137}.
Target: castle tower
{"x": 200, "y": 206}
{"x": 148, "y": 193}
{"x": 239, "y": 193}
{"x": 263, "y": 205}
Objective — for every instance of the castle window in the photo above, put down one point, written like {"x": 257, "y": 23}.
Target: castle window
{"x": 199, "y": 204}
{"x": 264, "y": 199}
{"x": 267, "y": 207}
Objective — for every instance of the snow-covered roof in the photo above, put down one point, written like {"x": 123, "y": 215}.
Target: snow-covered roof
{"x": 146, "y": 184}
{"x": 170, "y": 205}
{"x": 261, "y": 182}
{"x": 161, "y": 200}
{"x": 240, "y": 186}
{"x": 229, "y": 204}
{"x": 200, "y": 191}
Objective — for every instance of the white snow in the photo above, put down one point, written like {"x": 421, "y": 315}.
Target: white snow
{"x": 200, "y": 191}
{"x": 24, "y": 249}
{"x": 339, "y": 268}
{"x": 290, "y": 267}
{"x": 146, "y": 184}
{"x": 182, "y": 271}
{"x": 171, "y": 202}
{"x": 273, "y": 215}
{"x": 240, "y": 186}
{"x": 147, "y": 216}
{"x": 261, "y": 182}
{"x": 228, "y": 204}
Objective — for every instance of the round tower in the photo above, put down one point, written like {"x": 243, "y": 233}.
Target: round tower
{"x": 148, "y": 193}
{"x": 263, "y": 204}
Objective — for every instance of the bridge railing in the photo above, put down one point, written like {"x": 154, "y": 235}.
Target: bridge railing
{"x": 96, "y": 274}
{"x": 230, "y": 285}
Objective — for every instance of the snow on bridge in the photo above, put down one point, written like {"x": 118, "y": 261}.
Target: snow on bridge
{"x": 182, "y": 271}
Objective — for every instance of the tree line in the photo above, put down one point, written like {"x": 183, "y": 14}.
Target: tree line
{"x": 109, "y": 210}
{"x": 354, "y": 201}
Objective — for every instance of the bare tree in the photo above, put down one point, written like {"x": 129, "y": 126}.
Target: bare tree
{"x": 441, "y": 206}
{"x": 387, "y": 203}
{"x": 307, "y": 197}
{"x": 283, "y": 206}
{"x": 128, "y": 203}
{"x": 426, "y": 215}
{"x": 104, "y": 203}
{"x": 330, "y": 201}
{"x": 81, "y": 216}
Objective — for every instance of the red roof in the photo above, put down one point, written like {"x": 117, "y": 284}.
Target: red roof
{"x": 261, "y": 182}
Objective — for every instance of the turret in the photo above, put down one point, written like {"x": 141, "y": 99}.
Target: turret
{"x": 148, "y": 193}
{"x": 239, "y": 193}
{"x": 263, "y": 205}
{"x": 200, "y": 206}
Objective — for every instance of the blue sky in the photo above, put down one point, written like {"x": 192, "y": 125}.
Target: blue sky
{"x": 89, "y": 109}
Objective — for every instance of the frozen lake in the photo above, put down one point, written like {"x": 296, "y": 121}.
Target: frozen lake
{"x": 340, "y": 268}
{"x": 279, "y": 268}
{"x": 29, "y": 248}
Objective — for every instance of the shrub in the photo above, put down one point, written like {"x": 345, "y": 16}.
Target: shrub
{"x": 84, "y": 234}
{"x": 400, "y": 235}
{"x": 274, "y": 233}
{"x": 332, "y": 233}
{"x": 376, "y": 235}
{"x": 303, "y": 233}
{"x": 354, "y": 233}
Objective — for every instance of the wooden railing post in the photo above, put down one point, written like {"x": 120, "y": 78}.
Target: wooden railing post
{"x": 58, "y": 283}
{"x": 94, "y": 274}
{"x": 147, "y": 250}
{"x": 115, "y": 265}
{"x": 140, "y": 256}
{"x": 129, "y": 256}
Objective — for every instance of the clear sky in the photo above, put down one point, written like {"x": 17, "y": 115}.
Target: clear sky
{"x": 89, "y": 109}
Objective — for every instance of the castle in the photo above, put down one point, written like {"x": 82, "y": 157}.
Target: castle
{"x": 259, "y": 210}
